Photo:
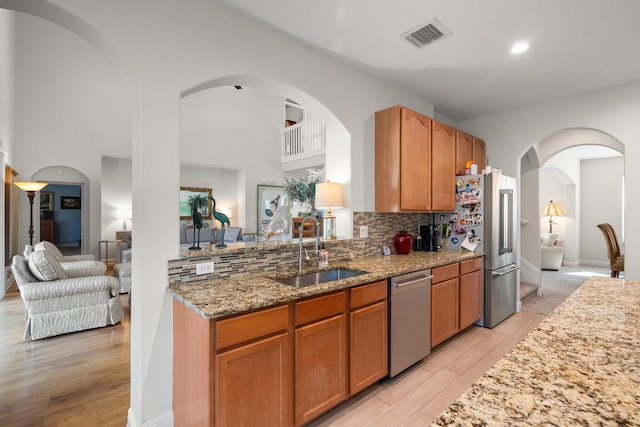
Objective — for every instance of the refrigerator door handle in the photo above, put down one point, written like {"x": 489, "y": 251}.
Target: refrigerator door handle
{"x": 502, "y": 273}
{"x": 506, "y": 221}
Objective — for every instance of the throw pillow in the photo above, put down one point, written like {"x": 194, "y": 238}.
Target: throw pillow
{"x": 548, "y": 239}
{"x": 48, "y": 246}
{"x": 45, "y": 266}
{"x": 27, "y": 251}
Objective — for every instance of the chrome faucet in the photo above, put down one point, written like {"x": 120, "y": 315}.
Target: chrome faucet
{"x": 316, "y": 224}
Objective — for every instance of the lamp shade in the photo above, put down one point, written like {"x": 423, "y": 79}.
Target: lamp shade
{"x": 30, "y": 186}
{"x": 552, "y": 210}
{"x": 329, "y": 195}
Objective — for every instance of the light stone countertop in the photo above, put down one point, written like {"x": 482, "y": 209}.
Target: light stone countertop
{"x": 580, "y": 366}
{"x": 223, "y": 297}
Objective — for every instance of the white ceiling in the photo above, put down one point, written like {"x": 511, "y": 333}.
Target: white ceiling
{"x": 576, "y": 46}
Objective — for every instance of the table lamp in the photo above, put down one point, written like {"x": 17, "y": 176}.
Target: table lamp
{"x": 329, "y": 195}
{"x": 551, "y": 210}
{"x": 31, "y": 188}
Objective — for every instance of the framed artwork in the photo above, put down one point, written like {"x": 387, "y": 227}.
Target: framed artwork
{"x": 273, "y": 210}
{"x": 68, "y": 202}
{"x": 46, "y": 201}
{"x": 187, "y": 194}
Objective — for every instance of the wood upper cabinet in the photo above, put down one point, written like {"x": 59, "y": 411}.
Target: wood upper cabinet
{"x": 402, "y": 160}
{"x": 320, "y": 355}
{"x": 470, "y": 292}
{"x": 443, "y": 154}
{"x": 368, "y": 334}
{"x": 469, "y": 147}
{"x": 479, "y": 154}
{"x": 464, "y": 151}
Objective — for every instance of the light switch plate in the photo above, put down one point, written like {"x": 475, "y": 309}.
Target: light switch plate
{"x": 204, "y": 268}
{"x": 364, "y": 231}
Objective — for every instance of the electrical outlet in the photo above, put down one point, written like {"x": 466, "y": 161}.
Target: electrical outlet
{"x": 364, "y": 231}
{"x": 204, "y": 268}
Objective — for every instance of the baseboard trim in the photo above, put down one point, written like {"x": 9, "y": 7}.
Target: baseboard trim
{"x": 162, "y": 421}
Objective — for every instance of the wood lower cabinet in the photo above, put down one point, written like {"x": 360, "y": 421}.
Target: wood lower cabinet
{"x": 471, "y": 277}
{"x": 320, "y": 355}
{"x": 456, "y": 298}
{"x": 252, "y": 384}
{"x": 280, "y": 366}
{"x": 368, "y": 333}
{"x": 444, "y": 311}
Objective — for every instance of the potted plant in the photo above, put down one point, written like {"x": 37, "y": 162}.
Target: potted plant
{"x": 301, "y": 191}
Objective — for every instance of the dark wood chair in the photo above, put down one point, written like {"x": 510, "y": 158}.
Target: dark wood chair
{"x": 616, "y": 260}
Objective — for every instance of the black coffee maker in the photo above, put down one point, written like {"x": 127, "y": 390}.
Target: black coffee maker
{"x": 426, "y": 239}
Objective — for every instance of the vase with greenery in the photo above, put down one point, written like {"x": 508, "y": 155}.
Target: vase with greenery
{"x": 301, "y": 191}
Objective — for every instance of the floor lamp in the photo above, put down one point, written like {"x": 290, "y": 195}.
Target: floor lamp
{"x": 551, "y": 210}
{"x": 31, "y": 188}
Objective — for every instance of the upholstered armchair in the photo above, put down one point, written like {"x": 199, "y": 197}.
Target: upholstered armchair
{"x": 551, "y": 252}
{"x": 124, "y": 247}
{"x": 56, "y": 304}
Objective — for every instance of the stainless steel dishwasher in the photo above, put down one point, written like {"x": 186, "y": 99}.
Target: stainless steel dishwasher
{"x": 409, "y": 320}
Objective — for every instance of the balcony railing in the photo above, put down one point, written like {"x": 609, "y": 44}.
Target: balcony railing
{"x": 302, "y": 140}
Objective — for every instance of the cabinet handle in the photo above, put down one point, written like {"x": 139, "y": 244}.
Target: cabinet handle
{"x": 411, "y": 282}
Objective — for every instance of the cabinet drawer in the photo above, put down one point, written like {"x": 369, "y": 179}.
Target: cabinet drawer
{"x": 468, "y": 266}
{"x": 446, "y": 272}
{"x": 320, "y": 307}
{"x": 247, "y": 327}
{"x": 368, "y": 294}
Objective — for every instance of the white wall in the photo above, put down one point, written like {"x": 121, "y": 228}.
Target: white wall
{"x": 116, "y": 195}
{"x": 601, "y": 202}
{"x": 172, "y": 48}
{"x": 68, "y": 115}
{"x": 612, "y": 111}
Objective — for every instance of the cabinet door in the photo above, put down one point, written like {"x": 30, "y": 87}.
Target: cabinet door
{"x": 368, "y": 345}
{"x": 479, "y": 154}
{"x": 320, "y": 367}
{"x": 252, "y": 384}
{"x": 415, "y": 161}
{"x": 470, "y": 298}
{"x": 464, "y": 151}
{"x": 444, "y": 311}
{"x": 443, "y": 162}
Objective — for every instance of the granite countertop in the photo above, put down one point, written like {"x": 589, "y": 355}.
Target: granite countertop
{"x": 223, "y": 297}
{"x": 580, "y": 366}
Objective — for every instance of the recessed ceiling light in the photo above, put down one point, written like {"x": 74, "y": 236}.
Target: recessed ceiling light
{"x": 519, "y": 47}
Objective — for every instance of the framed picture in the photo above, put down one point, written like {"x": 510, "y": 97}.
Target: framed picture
{"x": 273, "y": 210}
{"x": 68, "y": 202}
{"x": 46, "y": 201}
{"x": 186, "y": 196}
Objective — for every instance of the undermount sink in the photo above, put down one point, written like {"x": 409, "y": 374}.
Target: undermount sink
{"x": 319, "y": 277}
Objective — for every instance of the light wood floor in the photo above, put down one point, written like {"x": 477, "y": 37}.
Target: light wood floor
{"x": 82, "y": 379}
{"x": 418, "y": 396}
{"x": 79, "y": 379}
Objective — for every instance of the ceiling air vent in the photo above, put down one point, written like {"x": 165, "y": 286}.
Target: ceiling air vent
{"x": 427, "y": 33}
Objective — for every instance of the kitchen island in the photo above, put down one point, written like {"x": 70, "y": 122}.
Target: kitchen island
{"x": 580, "y": 366}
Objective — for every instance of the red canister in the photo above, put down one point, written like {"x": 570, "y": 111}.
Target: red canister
{"x": 403, "y": 241}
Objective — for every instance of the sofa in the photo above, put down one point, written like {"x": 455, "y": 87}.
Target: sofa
{"x": 56, "y": 304}
{"x": 208, "y": 233}
{"x": 551, "y": 251}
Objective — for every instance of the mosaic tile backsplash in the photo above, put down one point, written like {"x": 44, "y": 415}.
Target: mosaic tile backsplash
{"x": 382, "y": 228}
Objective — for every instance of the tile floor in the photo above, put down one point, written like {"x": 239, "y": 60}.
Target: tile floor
{"x": 419, "y": 395}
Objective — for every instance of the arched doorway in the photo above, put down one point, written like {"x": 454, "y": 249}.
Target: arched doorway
{"x": 65, "y": 176}
{"x": 530, "y": 176}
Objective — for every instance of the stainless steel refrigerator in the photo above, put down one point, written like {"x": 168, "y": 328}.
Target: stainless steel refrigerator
{"x": 485, "y": 220}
